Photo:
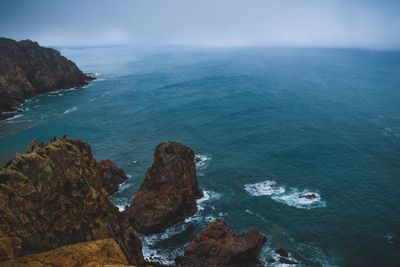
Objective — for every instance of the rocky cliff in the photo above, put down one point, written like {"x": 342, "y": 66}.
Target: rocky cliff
{"x": 217, "y": 246}
{"x": 169, "y": 191}
{"x": 105, "y": 252}
{"x": 27, "y": 69}
{"x": 55, "y": 194}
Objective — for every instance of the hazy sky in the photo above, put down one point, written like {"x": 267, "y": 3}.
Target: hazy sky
{"x": 332, "y": 23}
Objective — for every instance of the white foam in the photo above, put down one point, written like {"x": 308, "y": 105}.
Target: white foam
{"x": 202, "y": 161}
{"x": 268, "y": 253}
{"x": 14, "y": 117}
{"x": 121, "y": 203}
{"x": 292, "y": 197}
{"x": 295, "y": 198}
{"x": 70, "y": 110}
{"x": 266, "y": 188}
{"x": 152, "y": 253}
{"x": 207, "y": 196}
{"x": 125, "y": 185}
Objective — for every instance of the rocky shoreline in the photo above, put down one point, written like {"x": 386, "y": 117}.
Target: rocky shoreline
{"x": 28, "y": 69}
{"x": 56, "y": 209}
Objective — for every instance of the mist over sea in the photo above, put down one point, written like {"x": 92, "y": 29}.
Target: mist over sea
{"x": 269, "y": 126}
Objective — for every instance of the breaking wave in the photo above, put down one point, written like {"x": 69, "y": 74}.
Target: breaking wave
{"x": 302, "y": 199}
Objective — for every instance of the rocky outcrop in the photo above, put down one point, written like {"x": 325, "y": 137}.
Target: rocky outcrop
{"x": 217, "y": 246}
{"x": 53, "y": 195}
{"x": 111, "y": 175}
{"x": 103, "y": 252}
{"x": 169, "y": 191}
{"x": 27, "y": 69}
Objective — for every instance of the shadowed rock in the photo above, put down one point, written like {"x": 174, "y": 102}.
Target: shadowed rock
{"x": 169, "y": 191}
{"x": 53, "y": 195}
{"x": 217, "y": 246}
{"x": 27, "y": 69}
{"x": 111, "y": 175}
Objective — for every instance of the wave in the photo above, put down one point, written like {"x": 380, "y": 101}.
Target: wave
{"x": 121, "y": 203}
{"x": 14, "y": 117}
{"x": 202, "y": 161}
{"x": 70, "y": 110}
{"x": 305, "y": 199}
{"x": 207, "y": 196}
{"x": 151, "y": 245}
{"x": 125, "y": 185}
{"x": 266, "y": 188}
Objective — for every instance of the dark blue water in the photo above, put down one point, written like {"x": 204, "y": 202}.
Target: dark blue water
{"x": 302, "y": 121}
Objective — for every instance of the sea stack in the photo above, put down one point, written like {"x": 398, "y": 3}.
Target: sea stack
{"x": 217, "y": 245}
{"x": 28, "y": 69}
{"x": 54, "y": 195}
{"x": 169, "y": 191}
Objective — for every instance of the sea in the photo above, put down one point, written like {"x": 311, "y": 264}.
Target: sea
{"x": 269, "y": 125}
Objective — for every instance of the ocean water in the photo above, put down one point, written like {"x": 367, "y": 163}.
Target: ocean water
{"x": 270, "y": 125}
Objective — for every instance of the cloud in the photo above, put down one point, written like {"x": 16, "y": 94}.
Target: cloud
{"x": 329, "y": 23}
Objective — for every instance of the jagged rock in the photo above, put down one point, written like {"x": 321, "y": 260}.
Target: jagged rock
{"x": 111, "y": 175}
{"x": 217, "y": 246}
{"x": 287, "y": 261}
{"x": 27, "y": 69}
{"x": 53, "y": 195}
{"x": 169, "y": 191}
{"x": 282, "y": 252}
{"x": 105, "y": 252}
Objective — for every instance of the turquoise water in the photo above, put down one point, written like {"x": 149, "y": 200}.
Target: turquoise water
{"x": 323, "y": 121}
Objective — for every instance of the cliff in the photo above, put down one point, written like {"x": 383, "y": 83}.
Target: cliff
{"x": 55, "y": 194}
{"x": 28, "y": 69}
{"x": 55, "y": 210}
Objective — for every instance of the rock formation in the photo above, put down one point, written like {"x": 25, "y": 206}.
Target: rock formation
{"x": 53, "y": 195}
{"x": 217, "y": 246}
{"x": 111, "y": 175}
{"x": 27, "y": 69}
{"x": 94, "y": 253}
{"x": 169, "y": 191}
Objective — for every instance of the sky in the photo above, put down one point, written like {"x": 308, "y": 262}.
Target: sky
{"x": 295, "y": 23}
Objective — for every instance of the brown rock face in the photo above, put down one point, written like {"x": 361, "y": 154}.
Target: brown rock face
{"x": 169, "y": 191}
{"x": 53, "y": 195}
{"x": 94, "y": 253}
{"x": 217, "y": 246}
{"x": 111, "y": 175}
{"x": 27, "y": 69}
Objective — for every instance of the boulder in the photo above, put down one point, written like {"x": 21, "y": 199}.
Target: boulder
{"x": 217, "y": 245}
{"x": 53, "y": 195}
{"x": 169, "y": 191}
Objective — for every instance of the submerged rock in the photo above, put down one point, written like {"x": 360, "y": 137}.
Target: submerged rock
{"x": 53, "y": 195}
{"x": 308, "y": 196}
{"x": 28, "y": 69}
{"x": 217, "y": 246}
{"x": 169, "y": 191}
{"x": 94, "y": 253}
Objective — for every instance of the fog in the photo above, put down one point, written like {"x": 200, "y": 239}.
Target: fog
{"x": 303, "y": 23}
